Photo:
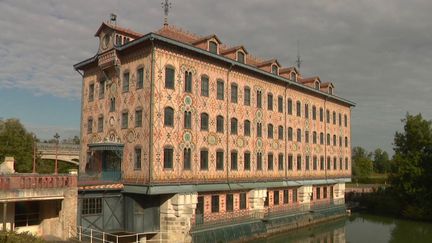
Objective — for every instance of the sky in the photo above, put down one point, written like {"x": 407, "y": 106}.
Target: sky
{"x": 377, "y": 53}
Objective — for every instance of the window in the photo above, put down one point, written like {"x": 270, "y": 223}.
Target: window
{"x": 229, "y": 202}
{"x": 270, "y": 131}
{"x": 315, "y": 163}
{"x": 285, "y": 196}
{"x": 346, "y": 163}
{"x": 100, "y": 124}
{"x": 340, "y": 141}
{"x": 328, "y": 163}
{"x": 101, "y": 88}
{"x": 280, "y": 104}
{"x": 307, "y": 163}
{"x": 125, "y": 84}
{"x": 188, "y": 82}
{"x": 91, "y": 206}
{"x": 246, "y": 97}
{"x": 299, "y": 162}
{"x": 274, "y": 69}
{"x": 259, "y": 161}
{"x": 259, "y": 130}
{"x": 321, "y": 138}
{"x": 219, "y": 160}
{"x": 330, "y": 90}
{"x": 290, "y": 134}
{"x": 290, "y": 162}
{"x": 204, "y": 160}
{"x": 205, "y": 86}
{"x": 340, "y": 119}
{"x": 270, "y": 161}
{"x": 215, "y": 203}
{"x": 247, "y": 160}
{"x": 243, "y": 200}
{"x": 294, "y": 76}
{"x": 328, "y": 116}
{"x": 138, "y": 118}
{"x": 280, "y": 161}
{"x": 140, "y": 78}
{"x": 334, "y": 140}
{"x": 187, "y": 120}
{"x": 247, "y": 128}
{"x": 289, "y": 107}
{"x": 340, "y": 164}
{"x": 270, "y": 102}
{"x": 118, "y": 40}
{"x": 318, "y": 193}
{"x": 275, "y": 197}
{"x": 324, "y": 192}
{"x": 168, "y": 157}
{"x": 124, "y": 120}
{"x": 298, "y": 109}
{"x": 314, "y": 137}
{"x": 234, "y": 160}
{"x": 335, "y": 163}
{"x": 306, "y": 111}
{"x": 280, "y": 132}
{"x": 234, "y": 91}
{"x": 345, "y": 120}
{"x": 321, "y": 163}
{"x": 346, "y": 142}
{"x": 233, "y": 126}
{"x": 306, "y": 136}
{"x": 90, "y": 125}
{"x": 328, "y": 139}
{"x": 169, "y": 78}
{"x": 137, "y": 159}
{"x": 220, "y": 90}
{"x": 294, "y": 195}
{"x": 112, "y": 104}
{"x": 91, "y": 92}
{"x": 220, "y": 124}
{"x": 240, "y": 57}
{"x": 169, "y": 116}
{"x": 259, "y": 97}
{"x": 334, "y": 118}
{"x": 321, "y": 111}
{"x": 204, "y": 122}
{"x": 187, "y": 157}
{"x": 317, "y": 86}
{"x": 314, "y": 113}
{"x": 299, "y": 135}
{"x": 213, "y": 47}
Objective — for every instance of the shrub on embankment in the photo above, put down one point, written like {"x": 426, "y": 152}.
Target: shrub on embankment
{"x": 14, "y": 237}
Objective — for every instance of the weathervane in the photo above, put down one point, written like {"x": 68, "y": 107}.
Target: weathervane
{"x": 166, "y": 5}
{"x": 299, "y": 60}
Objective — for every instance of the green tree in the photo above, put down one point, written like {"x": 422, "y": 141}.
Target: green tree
{"x": 362, "y": 162}
{"x": 413, "y": 160}
{"x": 17, "y": 142}
{"x": 381, "y": 161}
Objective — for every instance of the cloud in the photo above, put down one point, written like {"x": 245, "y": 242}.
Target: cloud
{"x": 378, "y": 53}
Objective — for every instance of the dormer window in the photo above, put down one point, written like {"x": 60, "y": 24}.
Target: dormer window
{"x": 240, "y": 57}
{"x": 330, "y": 90}
{"x": 213, "y": 47}
{"x": 274, "y": 69}
{"x": 317, "y": 86}
{"x": 118, "y": 40}
{"x": 294, "y": 76}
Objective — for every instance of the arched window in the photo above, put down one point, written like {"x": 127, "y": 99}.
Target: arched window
{"x": 204, "y": 122}
{"x": 299, "y": 162}
{"x": 317, "y": 85}
{"x": 140, "y": 78}
{"x": 334, "y": 140}
{"x": 280, "y": 104}
{"x": 290, "y": 134}
{"x": 334, "y": 118}
{"x": 187, "y": 158}
{"x": 169, "y": 77}
{"x": 259, "y": 99}
{"x": 247, "y": 161}
{"x": 321, "y": 111}
{"x": 234, "y": 93}
{"x": 328, "y": 163}
{"x": 246, "y": 96}
{"x": 289, "y": 107}
{"x": 340, "y": 163}
{"x": 270, "y": 131}
{"x": 340, "y": 141}
{"x": 259, "y": 129}
{"x": 346, "y": 142}
{"x": 328, "y": 139}
{"x": 100, "y": 123}
{"x": 315, "y": 163}
{"x": 247, "y": 128}
{"x": 220, "y": 89}
{"x": 269, "y": 101}
{"x": 328, "y": 116}
{"x": 280, "y": 132}
{"x": 321, "y": 138}
{"x": 259, "y": 161}
{"x": 307, "y": 162}
{"x": 213, "y": 47}
{"x": 280, "y": 161}
{"x": 125, "y": 119}
{"x": 290, "y": 162}
{"x": 219, "y": 159}
{"x": 322, "y": 163}
{"x": 306, "y": 136}
{"x": 205, "y": 86}
{"x": 275, "y": 69}
{"x": 314, "y": 137}
{"x": 233, "y": 126}
{"x": 168, "y": 157}
{"x": 234, "y": 162}
{"x": 334, "y": 163}
{"x": 306, "y": 111}
{"x": 187, "y": 120}
{"x": 220, "y": 124}
{"x": 169, "y": 116}
{"x": 294, "y": 76}
{"x": 112, "y": 104}
{"x": 299, "y": 135}
{"x": 204, "y": 159}
{"x": 240, "y": 57}
{"x": 346, "y": 164}
{"x": 270, "y": 161}
{"x": 125, "y": 83}
{"x": 314, "y": 113}
{"x": 340, "y": 119}
{"x": 188, "y": 82}
{"x": 298, "y": 108}
{"x": 90, "y": 125}
{"x": 137, "y": 158}
{"x": 345, "y": 120}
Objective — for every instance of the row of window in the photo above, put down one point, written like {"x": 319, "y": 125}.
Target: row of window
{"x": 169, "y": 84}
{"x": 272, "y": 163}
{"x": 229, "y": 202}
{"x": 124, "y": 121}
{"x": 285, "y": 197}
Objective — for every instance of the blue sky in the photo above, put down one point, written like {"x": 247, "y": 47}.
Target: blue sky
{"x": 377, "y": 53}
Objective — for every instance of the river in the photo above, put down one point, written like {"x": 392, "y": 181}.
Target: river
{"x": 359, "y": 228}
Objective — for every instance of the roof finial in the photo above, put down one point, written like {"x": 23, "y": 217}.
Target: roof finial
{"x": 166, "y": 5}
{"x": 113, "y": 18}
{"x": 299, "y": 60}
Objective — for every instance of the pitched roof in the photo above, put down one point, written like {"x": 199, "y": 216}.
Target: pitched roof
{"x": 268, "y": 62}
{"x": 205, "y": 38}
{"x": 326, "y": 84}
{"x": 178, "y": 34}
{"x": 119, "y": 29}
{"x": 288, "y": 69}
{"x": 233, "y": 49}
{"x": 309, "y": 80}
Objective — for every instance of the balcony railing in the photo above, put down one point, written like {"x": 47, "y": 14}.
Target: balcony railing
{"x": 35, "y": 181}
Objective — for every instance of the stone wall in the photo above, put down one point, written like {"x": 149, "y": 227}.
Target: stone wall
{"x": 8, "y": 166}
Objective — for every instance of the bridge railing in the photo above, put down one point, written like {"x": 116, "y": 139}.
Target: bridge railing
{"x": 32, "y": 181}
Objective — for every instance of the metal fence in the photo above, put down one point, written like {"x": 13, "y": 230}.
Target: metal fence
{"x": 83, "y": 234}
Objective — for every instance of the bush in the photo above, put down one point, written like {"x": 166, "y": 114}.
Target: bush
{"x": 14, "y": 237}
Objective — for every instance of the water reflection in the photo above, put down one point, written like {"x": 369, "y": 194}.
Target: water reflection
{"x": 359, "y": 228}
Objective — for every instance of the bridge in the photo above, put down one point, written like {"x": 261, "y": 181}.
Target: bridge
{"x": 65, "y": 152}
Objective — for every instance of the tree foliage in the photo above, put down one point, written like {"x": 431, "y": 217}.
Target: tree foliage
{"x": 362, "y": 162}
{"x": 381, "y": 161}
{"x": 17, "y": 142}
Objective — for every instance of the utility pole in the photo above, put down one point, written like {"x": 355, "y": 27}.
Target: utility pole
{"x": 34, "y": 154}
{"x": 56, "y": 136}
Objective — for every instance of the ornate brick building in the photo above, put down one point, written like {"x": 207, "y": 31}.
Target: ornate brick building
{"x": 196, "y": 132}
